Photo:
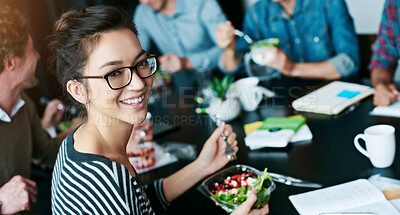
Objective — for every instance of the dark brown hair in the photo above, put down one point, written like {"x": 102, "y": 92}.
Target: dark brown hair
{"x": 76, "y": 35}
{"x": 14, "y": 32}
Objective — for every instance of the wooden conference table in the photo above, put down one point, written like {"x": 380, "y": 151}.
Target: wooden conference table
{"x": 330, "y": 158}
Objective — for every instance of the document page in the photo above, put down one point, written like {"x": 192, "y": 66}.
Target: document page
{"x": 380, "y": 208}
{"x": 392, "y": 110}
{"x": 350, "y": 197}
{"x": 389, "y": 187}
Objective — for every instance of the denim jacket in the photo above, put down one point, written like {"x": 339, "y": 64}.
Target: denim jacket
{"x": 318, "y": 30}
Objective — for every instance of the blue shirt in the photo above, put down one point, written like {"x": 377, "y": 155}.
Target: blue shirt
{"x": 318, "y": 30}
{"x": 190, "y": 32}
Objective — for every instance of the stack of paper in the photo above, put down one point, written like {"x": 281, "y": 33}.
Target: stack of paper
{"x": 276, "y": 132}
{"x": 392, "y": 110}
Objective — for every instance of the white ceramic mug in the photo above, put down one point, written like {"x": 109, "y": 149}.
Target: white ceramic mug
{"x": 380, "y": 145}
{"x": 250, "y": 95}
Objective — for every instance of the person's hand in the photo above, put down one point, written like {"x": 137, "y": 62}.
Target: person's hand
{"x": 18, "y": 194}
{"x": 171, "y": 63}
{"x": 245, "y": 207}
{"x": 52, "y": 115}
{"x": 212, "y": 156}
{"x": 385, "y": 94}
{"x": 225, "y": 37}
{"x": 136, "y": 135}
{"x": 281, "y": 62}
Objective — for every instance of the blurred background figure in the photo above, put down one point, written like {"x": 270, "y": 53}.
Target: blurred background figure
{"x": 386, "y": 53}
{"x": 316, "y": 38}
{"x": 140, "y": 133}
{"x": 53, "y": 113}
{"x": 22, "y": 137}
{"x": 184, "y": 33}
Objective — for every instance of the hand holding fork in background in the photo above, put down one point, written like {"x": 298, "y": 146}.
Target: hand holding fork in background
{"x": 141, "y": 133}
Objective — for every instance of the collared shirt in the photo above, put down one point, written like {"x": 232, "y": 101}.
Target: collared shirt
{"x": 190, "y": 32}
{"x": 386, "y": 49}
{"x": 318, "y": 30}
{"x": 5, "y": 117}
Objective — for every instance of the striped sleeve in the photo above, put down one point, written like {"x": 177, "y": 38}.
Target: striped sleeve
{"x": 155, "y": 193}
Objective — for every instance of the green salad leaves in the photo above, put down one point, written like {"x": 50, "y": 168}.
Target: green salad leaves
{"x": 237, "y": 196}
{"x": 265, "y": 43}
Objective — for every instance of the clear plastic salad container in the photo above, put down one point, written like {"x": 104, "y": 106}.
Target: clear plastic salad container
{"x": 214, "y": 186}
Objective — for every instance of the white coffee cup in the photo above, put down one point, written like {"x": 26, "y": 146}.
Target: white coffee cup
{"x": 250, "y": 95}
{"x": 380, "y": 145}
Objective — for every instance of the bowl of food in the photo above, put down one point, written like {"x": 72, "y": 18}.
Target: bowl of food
{"x": 229, "y": 187}
{"x": 261, "y": 52}
{"x": 142, "y": 156}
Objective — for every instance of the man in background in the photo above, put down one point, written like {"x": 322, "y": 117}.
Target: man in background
{"x": 22, "y": 137}
{"x": 184, "y": 32}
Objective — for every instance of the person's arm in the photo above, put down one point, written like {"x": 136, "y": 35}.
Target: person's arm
{"x": 18, "y": 194}
{"x": 211, "y": 16}
{"x": 211, "y": 158}
{"x": 385, "y": 91}
{"x": 385, "y": 56}
{"x": 45, "y": 148}
{"x": 346, "y": 61}
{"x": 227, "y": 41}
{"x": 384, "y": 49}
{"x": 52, "y": 114}
{"x": 319, "y": 70}
{"x": 344, "y": 39}
{"x": 173, "y": 63}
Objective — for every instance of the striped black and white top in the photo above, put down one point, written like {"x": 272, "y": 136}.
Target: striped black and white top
{"x": 93, "y": 184}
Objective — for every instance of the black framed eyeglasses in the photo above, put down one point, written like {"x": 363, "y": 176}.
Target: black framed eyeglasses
{"x": 122, "y": 77}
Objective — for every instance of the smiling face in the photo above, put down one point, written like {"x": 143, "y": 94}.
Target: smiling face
{"x": 116, "y": 49}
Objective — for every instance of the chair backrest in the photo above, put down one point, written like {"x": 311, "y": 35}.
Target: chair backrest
{"x": 366, "y": 15}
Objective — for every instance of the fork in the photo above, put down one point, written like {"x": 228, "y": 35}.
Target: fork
{"x": 245, "y": 36}
{"x": 230, "y": 154}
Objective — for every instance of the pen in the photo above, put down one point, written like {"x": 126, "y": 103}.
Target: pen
{"x": 348, "y": 213}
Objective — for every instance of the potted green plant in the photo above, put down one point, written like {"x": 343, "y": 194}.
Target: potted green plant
{"x": 220, "y": 88}
{"x": 224, "y": 103}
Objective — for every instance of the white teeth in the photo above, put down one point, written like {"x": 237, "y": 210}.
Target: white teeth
{"x": 133, "y": 101}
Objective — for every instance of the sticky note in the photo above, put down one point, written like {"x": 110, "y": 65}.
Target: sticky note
{"x": 248, "y": 128}
{"x": 348, "y": 94}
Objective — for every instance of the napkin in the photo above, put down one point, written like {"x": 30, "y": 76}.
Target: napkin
{"x": 276, "y": 132}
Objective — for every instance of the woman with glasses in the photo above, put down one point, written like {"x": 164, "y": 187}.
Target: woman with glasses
{"x": 101, "y": 64}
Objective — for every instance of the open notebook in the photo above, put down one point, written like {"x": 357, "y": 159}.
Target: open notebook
{"x": 356, "y": 196}
{"x": 332, "y": 98}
